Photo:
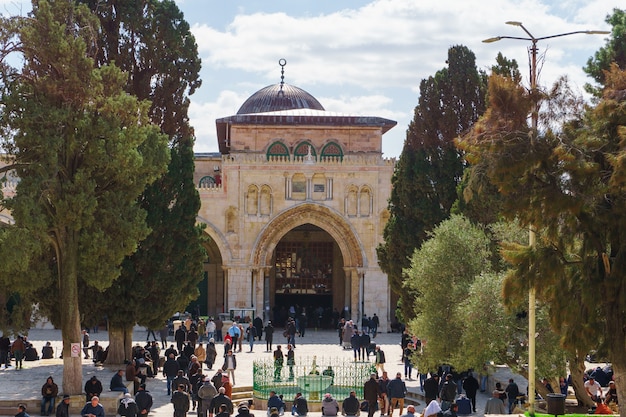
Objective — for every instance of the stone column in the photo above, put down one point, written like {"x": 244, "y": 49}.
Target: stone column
{"x": 259, "y": 300}
{"x": 239, "y": 292}
{"x": 352, "y": 276}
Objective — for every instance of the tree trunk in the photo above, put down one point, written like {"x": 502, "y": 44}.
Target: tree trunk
{"x": 617, "y": 340}
{"x": 577, "y": 370}
{"x": 70, "y": 316}
{"x": 120, "y": 343}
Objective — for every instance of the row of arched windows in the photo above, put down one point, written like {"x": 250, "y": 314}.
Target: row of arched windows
{"x": 331, "y": 149}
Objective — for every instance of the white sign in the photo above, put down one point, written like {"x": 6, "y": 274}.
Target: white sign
{"x": 75, "y": 350}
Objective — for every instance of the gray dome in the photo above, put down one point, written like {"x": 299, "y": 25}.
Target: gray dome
{"x": 273, "y": 98}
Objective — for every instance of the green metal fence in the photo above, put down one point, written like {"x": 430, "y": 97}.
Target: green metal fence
{"x": 313, "y": 377}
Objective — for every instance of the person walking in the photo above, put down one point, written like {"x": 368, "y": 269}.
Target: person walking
{"x": 379, "y": 362}
{"x": 512, "y": 392}
{"x": 230, "y": 364}
{"x": 396, "y": 390}
{"x": 447, "y": 393}
{"x": 471, "y": 385}
{"x": 291, "y": 361}
{"x": 180, "y": 400}
{"x": 144, "y": 401}
{"x": 269, "y": 336}
{"x": 278, "y": 363}
{"x": 371, "y": 393}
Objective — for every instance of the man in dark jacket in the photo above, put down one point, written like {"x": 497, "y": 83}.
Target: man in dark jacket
{"x": 63, "y": 409}
{"x": 447, "y": 393}
{"x": 117, "y": 382}
{"x": 470, "y": 385}
{"x": 371, "y": 392}
{"x": 49, "y": 392}
{"x": 431, "y": 388}
{"x": 269, "y": 336}
{"x": 180, "y": 400}
{"x": 180, "y": 336}
{"x": 351, "y": 405}
{"x": 301, "y": 405}
{"x": 219, "y": 399}
{"x": 93, "y": 387}
{"x": 170, "y": 371}
{"x": 144, "y": 401}
{"x": 396, "y": 391}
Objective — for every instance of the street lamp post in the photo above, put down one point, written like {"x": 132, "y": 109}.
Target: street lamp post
{"x": 531, "y": 232}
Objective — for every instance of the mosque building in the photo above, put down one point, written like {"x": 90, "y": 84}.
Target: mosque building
{"x": 295, "y": 204}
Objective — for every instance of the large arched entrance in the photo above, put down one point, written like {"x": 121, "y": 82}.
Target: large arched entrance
{"x": 307, "y": 279}
{"x": 310, "y": 259}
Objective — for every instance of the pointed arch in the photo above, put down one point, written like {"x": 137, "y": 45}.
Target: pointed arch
{"x": 323, "y": 217}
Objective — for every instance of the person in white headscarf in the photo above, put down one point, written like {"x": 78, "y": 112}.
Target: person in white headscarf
{"x": 432, "y": 409}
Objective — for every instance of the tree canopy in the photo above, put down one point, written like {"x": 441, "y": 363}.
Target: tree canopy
{"x": 84, "y": 150}
{"x": 430, "y": 166}
{"x": 153, "y": 44}
{"x": 568, "y": 183}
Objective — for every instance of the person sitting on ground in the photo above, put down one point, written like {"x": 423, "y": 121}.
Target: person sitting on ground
{"x": 330, "y": 407}
{"x": 93, "y": 408}
{"x": 47, "y": 352}
{"x": 351, "y": 405}
{"x": 128, "y": 407}
{"x": 117, "y": 382}
{"x": 92, "y": 387}
{"x": 602, "y": 408}
{"x": 274, "y": 401}
{"x": 300, "y": 405}
{"x": 49, "y": 392}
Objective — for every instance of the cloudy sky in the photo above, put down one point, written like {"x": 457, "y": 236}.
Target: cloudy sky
{"x": 368, "y": 56}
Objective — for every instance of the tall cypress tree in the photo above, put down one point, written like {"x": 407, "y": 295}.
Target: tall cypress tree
{"x": 152, "y": 42}
{"x": 430, "y": 167}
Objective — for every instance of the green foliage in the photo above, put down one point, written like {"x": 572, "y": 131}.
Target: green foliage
{"x": 430, "y": 166}
{"x": 153, "y": 43}
{"x": 613, "y": 52}
{"x": 569, "y": 185}
{"x": 441, "y": 272}
{"x": 84, "y": 150}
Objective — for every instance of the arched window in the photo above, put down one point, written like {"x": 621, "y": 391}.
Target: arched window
{"x": 332, "y": 150}
{"x": 277, "y": 149}
{"x": 351, "y": 201}
{"x": 266, "y": 200}
{"x": 365, "y": 201}
{"x": 206, "y": 182}
{"x": 303, "y": 149}
{"x": 252, "y": 200}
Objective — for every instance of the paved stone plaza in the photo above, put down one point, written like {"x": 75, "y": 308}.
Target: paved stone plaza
{"x": 25, "y": 384}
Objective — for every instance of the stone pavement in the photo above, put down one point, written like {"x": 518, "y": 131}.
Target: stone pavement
{"x": 20, "y": 385}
